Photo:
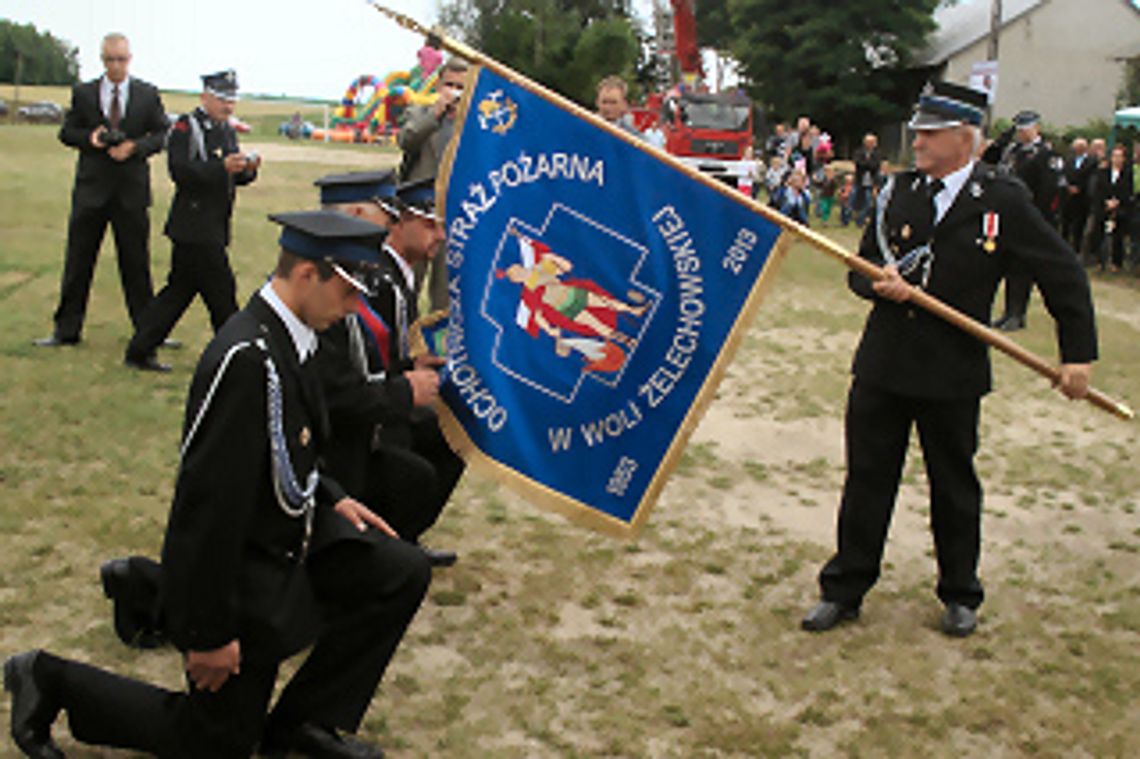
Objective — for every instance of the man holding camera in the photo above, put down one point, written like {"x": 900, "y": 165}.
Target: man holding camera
{"x": 115, "y": 122}
{"x": 207, "y": 167}
{"x": 423, "y": 138}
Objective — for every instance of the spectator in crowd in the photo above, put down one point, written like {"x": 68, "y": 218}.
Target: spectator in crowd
{"x": 774, "y": 176}
{"x": 827, "y": 190}
{"x": 793, "y": 199}
{"x": 423, "y": 137}
{"x": 1115, "y": 200}
{"x": 115, "y": 122}
{"x": 1098, "y": 149}
{"x": 774, "y": 147}
{"x": 1079, "y": 169}
{"x": 867, "y": 167}
{"x": 612, "y": 102}
{"x": 844, "y": 197}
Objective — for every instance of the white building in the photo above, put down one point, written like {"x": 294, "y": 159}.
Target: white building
{"x": 1062, "y": 58}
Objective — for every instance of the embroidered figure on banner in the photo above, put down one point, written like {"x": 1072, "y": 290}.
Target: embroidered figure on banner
{"x": 576, "y": 313}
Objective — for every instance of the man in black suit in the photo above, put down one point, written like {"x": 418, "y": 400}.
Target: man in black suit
{"x": 207, "y": 166}
{"x": 952, "y": 228}
{"x": 115, "y": 122}
{"x": 245, "y": 582}
{"x": 387, "y": 447}
{"x": 1079, "y": 170}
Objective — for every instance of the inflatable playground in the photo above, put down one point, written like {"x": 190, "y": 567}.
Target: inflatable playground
{"x": 371, "y": 107}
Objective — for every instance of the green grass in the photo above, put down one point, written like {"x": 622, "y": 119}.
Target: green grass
{"x": 550, "y": 641}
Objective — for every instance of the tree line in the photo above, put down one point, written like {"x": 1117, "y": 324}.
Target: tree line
{"x": 844, "y": 64}
{"x": 28, "y": 56}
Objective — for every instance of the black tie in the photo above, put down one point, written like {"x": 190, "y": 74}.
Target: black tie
{"x": 116, "y": 108}
{"x": 933, "y": 187}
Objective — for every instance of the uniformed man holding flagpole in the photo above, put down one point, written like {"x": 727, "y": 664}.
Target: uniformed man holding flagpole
{"x": 950, "y": 227}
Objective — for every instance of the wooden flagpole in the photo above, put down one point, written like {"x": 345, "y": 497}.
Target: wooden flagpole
{"x": 871, "y": 271}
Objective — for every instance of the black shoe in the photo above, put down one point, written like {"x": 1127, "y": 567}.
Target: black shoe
{"x": 1010, "y": 323}
{"x": 32, "y": 712}
{"x": 316, "y": 742}
{"x": 826, "y": 615}
{"x": 148, "y": 364}
{"x": 440, "y": 558}
{"x": 55, "y": 341}
{"x": 171, "y": 344}
{"x": 959, "y": 621}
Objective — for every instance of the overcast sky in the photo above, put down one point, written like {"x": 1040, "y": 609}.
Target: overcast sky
{"x": 313, "y": 49}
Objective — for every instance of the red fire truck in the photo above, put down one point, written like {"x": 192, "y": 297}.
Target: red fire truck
{"x": 710, "y": 131}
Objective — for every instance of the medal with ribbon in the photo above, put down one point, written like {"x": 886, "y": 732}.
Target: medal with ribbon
{"x": 990, "y": 231}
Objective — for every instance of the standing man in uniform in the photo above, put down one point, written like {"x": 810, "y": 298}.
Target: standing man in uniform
{"x": 116, "y": 122}
{"x": 207, "y": 166}
{"x": 423, "y": 137}
{"x": 1079, "y": 170}
{"x": 951, "y": 227}
{"x": 375, "y": 398}
{"x": 1033, "y": 161}
{"x": 245, "y": 582}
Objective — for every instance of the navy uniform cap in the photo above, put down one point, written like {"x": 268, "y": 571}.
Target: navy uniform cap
{"x": 223, "y": 84}
{"x": 352, "y": 246}
{"x": 944, "y": 104}
{"x": 418, "y": 197}
{"x": 1026, "y": 119}
{"x": 357, "y": 187}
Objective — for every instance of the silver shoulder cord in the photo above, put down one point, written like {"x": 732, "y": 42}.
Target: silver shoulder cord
{"x": 357, "y": 353}
{"x": 921, "y": 255}
{"x": 294, "y": 500}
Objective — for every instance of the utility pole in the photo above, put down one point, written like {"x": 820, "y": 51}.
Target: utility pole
{"x": 992, "y": 48}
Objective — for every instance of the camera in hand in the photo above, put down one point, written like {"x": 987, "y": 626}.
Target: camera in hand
{"x": 113, "y": 137}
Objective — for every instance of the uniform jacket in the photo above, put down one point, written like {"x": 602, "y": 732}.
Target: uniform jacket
{"x": 362, "y": 397}
{"x": 233, "y": 559}
{"x": 1039, "y": 168}
{"x": 204, "y": 192}
{"x": 99, "y": 178}
{"x": 908, "y": 351}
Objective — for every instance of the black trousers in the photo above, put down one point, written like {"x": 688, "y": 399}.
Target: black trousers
{"x": 1018, "y": 284}
{"x": 85, "y": 229}
{"x": 194, "y": 270}
{"x": 1074, "y": 220}
{"x": 369, "y": 591}
{"x": 878, "y": 425}
{"x": 409, "y": 484}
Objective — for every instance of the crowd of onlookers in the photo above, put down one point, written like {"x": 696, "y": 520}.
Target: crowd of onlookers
{"x": 802, "y": 179}
{"x": 1097, "y": 207}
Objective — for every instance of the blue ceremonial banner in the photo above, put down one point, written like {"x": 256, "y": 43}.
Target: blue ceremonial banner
{"x": 597, "y": 292}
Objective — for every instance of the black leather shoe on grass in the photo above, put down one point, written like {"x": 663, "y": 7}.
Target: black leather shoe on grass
{"x": 826, "y": 615}
{"x": 32, "y": 711}
{"x": 316, "y": 742}
{"x": 959, "y": 621}
{"x": 55, "y": 341}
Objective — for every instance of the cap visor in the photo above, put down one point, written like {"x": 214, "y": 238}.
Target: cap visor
{"x": 928, "y": 121}
{"x": 352, "y": 279}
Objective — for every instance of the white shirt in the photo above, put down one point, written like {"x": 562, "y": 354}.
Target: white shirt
{"x": 951, "y": 185}
{"x": 405, "y": 268}
{"x": 107, "y": 94}
{"x": 304, "y": 338}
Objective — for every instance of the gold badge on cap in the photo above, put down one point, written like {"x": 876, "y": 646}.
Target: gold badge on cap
{"x": 305, "y": 436}
{"x": 905, "y": 232}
